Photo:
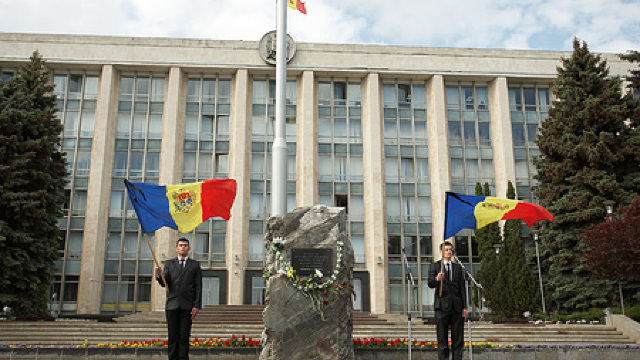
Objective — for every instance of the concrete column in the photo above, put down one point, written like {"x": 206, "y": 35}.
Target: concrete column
{"x": 438, "y": 156}
{"x": 239, "y": 161}
{"x": 503, "y": 161}
{"x": 374, "y": 194}
{"x": 98, "y": 195}
{"x": 307, "y": 142}
{"x": 170, "y": 169}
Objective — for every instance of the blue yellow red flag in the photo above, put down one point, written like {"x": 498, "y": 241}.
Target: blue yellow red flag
{"x": 181, "y": 207}
{"x": 476, "y": 212}
{"x": 297, "y": 5}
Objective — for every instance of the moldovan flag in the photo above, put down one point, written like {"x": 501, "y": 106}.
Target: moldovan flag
{"x": 181, "y": 207}
{"x": 297, "y": 5}
{"x": 475, "y": 212}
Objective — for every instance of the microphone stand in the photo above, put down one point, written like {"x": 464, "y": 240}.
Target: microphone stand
{"x": 466, "y": 294}
{"x": 410, "y": 286}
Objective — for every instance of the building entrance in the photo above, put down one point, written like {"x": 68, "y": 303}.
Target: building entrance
{"x": 210, "y": 290}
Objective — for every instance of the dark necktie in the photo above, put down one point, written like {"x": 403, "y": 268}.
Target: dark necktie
{"x": 182, "y": 263}
{"x": 449, "y": 275}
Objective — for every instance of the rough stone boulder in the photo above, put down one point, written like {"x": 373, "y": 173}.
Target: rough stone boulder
{"x": 309, "y": 265}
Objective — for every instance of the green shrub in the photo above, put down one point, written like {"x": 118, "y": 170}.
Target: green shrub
{"x": 588, "y": 316}
{"x": 631, "y": 312}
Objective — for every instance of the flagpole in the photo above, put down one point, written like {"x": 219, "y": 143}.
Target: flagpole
{"x": 155, "y": 260}
{"x": 441, "y": 266}
{"x": 279, "y": 149}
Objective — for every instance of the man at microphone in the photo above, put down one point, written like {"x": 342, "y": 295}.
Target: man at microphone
{"x": 449, "y": 302}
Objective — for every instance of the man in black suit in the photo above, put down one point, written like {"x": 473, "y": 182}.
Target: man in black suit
{"x": 450, "y": 307}
{"x": 184, "y": 300}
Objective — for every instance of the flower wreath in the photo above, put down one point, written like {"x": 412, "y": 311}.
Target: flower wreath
{"x": 314, "y": 287}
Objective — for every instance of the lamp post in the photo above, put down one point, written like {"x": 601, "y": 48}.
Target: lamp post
{"x": 608, "y": 205}
{"x": 499, "y": 300}
{"x": 497, "y": 246}
{"x": 536, "y": 239}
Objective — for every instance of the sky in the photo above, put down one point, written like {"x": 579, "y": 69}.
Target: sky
{"x": 608, "y": 26}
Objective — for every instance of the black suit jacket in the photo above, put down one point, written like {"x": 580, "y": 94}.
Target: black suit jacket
{"x": 453, "y": 297}
{"x": 185, "y": 284}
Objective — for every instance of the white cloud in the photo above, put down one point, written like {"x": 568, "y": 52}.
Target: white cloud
{"x": 326, "y": 23}
{"x": 606, "y": 25}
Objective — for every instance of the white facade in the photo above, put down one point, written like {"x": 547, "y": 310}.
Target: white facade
{"x": 382, "y": 130}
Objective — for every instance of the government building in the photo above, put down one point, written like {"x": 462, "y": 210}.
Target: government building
{"x": 382, "y": 131}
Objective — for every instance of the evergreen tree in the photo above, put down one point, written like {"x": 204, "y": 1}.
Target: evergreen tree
{"x": 631, "y": 173}
{"x": 32, "y": 179}
{"x": 633, "y": 57}
{"x": 521, "y": 285}
{"x": 582, "y": 144}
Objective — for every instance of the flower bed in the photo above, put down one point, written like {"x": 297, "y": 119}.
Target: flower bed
{"x": 373, "y": 343}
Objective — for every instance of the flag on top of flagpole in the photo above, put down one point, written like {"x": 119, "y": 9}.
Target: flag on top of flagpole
{"x": 475, "y": 212}
{"x": 297, "y": 5}
{"x": 181, "y": 207}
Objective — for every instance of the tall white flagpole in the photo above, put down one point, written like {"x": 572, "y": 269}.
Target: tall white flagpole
{"x": 279, "y": 149}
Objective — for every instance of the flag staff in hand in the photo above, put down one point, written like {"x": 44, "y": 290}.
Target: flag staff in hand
{"x": 155, "y": 260}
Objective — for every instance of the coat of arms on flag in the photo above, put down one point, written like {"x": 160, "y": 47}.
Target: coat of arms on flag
{"x": 183, "y": 200}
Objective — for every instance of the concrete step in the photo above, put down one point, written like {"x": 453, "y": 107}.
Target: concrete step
{"x": 237, "y": 314}
{"x": 224, "y": 321}
{"x": 80, "y": 332}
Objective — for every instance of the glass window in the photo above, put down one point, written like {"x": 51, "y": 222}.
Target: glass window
{"x": 469, "y": 119}
{"x": 529, "y": 106}
{"x": 137, "y": 157}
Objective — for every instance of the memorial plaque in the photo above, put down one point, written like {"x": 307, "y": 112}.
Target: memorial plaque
{"x": 305, "y": 261}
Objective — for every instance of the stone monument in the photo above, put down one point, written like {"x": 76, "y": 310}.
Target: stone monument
{"x": 309, "y": 288}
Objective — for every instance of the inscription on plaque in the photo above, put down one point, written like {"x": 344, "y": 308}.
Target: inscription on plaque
{"x": 305, "y": 261}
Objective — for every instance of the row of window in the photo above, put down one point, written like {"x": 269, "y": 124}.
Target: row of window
{"x": 76, "y": 96}
{"x": 206, "y": 147}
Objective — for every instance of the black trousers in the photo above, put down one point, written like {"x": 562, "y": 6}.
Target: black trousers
{"x": 455, "y": 321}
{"x": 179, "y": 329}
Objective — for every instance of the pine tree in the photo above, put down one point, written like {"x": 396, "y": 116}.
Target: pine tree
{"x": 32, "y": 179}
{"x": 582, "y": 146}
{"x": 631, "y": 172}
{"x": 521, "y": 285}
{"x": 633, "y": 57}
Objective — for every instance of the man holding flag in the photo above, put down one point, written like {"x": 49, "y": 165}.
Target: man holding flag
{"x": 449, "y": 304}
{"x": 184, "y": 300}
{"x": 472, "y": 212}
{"x": 181, "y": 207}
